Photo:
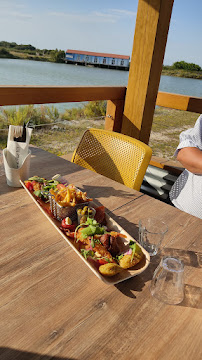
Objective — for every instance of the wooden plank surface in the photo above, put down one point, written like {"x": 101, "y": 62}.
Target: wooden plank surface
{"x": 180, "y": 102}
{"x": 114, "y": 115}
{"x": 27, "y": 94}
{"x": 53, "y": 306}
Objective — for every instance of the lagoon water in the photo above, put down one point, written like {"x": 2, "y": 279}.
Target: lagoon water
{"x": 27, "y": 72}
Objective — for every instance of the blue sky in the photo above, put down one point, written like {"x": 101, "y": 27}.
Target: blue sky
{"x": 104, "y": 26}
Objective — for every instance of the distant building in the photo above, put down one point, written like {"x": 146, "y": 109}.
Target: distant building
{"x": 111, "y": 61}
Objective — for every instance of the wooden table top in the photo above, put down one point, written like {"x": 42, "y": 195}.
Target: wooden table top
{"x": 52, "y": 306}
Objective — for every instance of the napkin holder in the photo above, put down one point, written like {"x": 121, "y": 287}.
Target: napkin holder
{"x": 13, "y": 175}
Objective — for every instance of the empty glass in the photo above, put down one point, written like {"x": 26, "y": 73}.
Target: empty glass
{"x": 168, "y": 284}
{"x": 151, "y": 234}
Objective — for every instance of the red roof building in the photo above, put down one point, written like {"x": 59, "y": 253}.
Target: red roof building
{"x": 91, "y": 53}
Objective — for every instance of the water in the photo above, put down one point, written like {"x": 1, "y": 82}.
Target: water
{"x": 27, "y": 72}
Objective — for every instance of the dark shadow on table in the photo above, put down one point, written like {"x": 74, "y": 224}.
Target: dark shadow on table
{"x": 192, "y": 297}
{"x": 13, "y": 354}
{"x": 106, "y": 191}
{"x": 138, "y": 282}
{"x": 189, "y": 258}
{"x": 135, "y": 283}
{"x": 193, "y": 294}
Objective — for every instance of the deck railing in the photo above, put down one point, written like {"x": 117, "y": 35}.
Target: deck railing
{"x": 24, "y": 95}
{"x": 115, "y": 95}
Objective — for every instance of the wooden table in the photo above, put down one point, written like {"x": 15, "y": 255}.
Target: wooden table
{"x": 53, "y": 307}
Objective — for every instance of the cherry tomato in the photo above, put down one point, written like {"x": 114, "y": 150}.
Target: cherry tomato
{"x": 60, "y": 186}
{"x": 102, "y": 261}
{"x": 34, "y": 182}
{"x": 71, "y": 234}
{"x": 71, "y": 227}
{"x": 29, "y": 185}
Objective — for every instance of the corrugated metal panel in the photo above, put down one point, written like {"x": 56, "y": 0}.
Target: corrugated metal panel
{"x": 157, "y": 183}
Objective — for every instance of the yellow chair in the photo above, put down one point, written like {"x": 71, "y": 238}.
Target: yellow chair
{"x": 116, "y": 156}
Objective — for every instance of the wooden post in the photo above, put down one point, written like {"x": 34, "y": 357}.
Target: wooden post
{"x": 152, "y": 24}
{"x": 114, "y": 115}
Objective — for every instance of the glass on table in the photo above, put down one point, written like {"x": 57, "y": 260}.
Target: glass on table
{"x": 151, "y": 234}
{"x": 168, "y": 281}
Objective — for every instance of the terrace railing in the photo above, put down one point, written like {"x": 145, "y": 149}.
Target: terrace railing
{"x": 115, "y": 96}
{"x": 25, "y": 95}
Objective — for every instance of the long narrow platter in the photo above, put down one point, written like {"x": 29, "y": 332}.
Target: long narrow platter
{"x": 113, "y": 226}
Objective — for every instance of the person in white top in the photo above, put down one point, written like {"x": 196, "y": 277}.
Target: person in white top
{"x": 186, "y": 193}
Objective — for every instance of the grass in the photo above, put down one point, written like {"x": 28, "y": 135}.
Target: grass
{"x": 62, "y": 138}
{"x": 29, "y": 56}
{"x": 167, "y": 126}
{"x": 183, "y": 73}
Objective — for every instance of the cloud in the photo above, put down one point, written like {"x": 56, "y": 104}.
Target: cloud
{"x": 123, "y": 12}
{"x": 106, "y": 16}
{"x": 7, "y": 5}
{"x": 92, "y": 17}
{"x": 10, "y": 9}
{"x": 21, "y": 16}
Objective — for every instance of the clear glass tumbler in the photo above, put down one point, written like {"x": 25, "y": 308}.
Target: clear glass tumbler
{"x": 151, "y": 234}
{"x": 168, "y": 281}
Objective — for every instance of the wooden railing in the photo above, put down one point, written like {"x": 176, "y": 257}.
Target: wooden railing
{"x": 179, "y": 102}
{"x": 23, "y": 95}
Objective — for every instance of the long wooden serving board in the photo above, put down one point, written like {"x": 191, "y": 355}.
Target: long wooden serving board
{"x": 113, "y": 226}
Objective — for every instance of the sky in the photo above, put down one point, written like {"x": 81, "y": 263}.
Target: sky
{"x": 101, "y": 26}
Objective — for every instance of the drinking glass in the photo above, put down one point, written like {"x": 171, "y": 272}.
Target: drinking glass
{"x": 151, "y": 234}
{"x": 168, "y": 281}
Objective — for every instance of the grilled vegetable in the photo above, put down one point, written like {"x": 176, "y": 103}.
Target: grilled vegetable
{"x": 110, "y": 269}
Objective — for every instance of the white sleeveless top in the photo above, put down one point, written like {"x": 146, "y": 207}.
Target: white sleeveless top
{"x": 186, "y": 193}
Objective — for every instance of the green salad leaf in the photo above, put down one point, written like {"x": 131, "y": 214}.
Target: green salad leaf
{"x": 37, "y": 193}
{"x": 135, "y": 248}
{"x": 87, "y": 253}
{"x": 119, "y": 257}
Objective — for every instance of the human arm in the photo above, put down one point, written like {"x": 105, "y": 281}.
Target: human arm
{"x": 191, "y": 159}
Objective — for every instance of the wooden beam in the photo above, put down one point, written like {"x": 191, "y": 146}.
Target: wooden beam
{"x": 114, "y": 115}
{"x": 23, "y": 95}
{"x": 152, "y": 24}
{"x": 180, "y": 102}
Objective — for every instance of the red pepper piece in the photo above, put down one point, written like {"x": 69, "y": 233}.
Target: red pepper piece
{"x": 71, "y": 227}
{"x": 29, "y": 185}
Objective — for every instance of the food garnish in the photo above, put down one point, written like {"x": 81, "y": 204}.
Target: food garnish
{"x": 89, "y": 234}
{"x": 67, "y": 224}
{"x": 100, "y": 245}
{"x": 40, "y": 186}
{"x": 69, "y": 196}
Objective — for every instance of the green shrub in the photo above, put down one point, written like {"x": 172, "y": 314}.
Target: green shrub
{"x": 186, "y": 66}
{"x": 36, "y": 115}
{"x": 95, "y": 109}
{"x": 90, "y": 110}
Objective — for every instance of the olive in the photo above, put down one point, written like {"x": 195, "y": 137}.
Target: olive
{"x": 83, "y": 219}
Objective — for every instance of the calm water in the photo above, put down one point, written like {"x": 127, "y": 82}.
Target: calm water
{"x": 27, "y": 72}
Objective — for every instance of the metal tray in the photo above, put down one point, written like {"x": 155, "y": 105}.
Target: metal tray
{"x": 61, "y": 212}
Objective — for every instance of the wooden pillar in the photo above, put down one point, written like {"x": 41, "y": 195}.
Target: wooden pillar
{"x": 152, "y": 24}
{"x": 114, "y": 115}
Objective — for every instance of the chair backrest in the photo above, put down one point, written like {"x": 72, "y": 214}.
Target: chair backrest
{"x": 116, "y": 156}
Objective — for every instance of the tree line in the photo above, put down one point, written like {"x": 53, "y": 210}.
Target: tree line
{"x": 183, "y": 65}
{"x": 10, "y": 50}
{"x": 7, "y": 49}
